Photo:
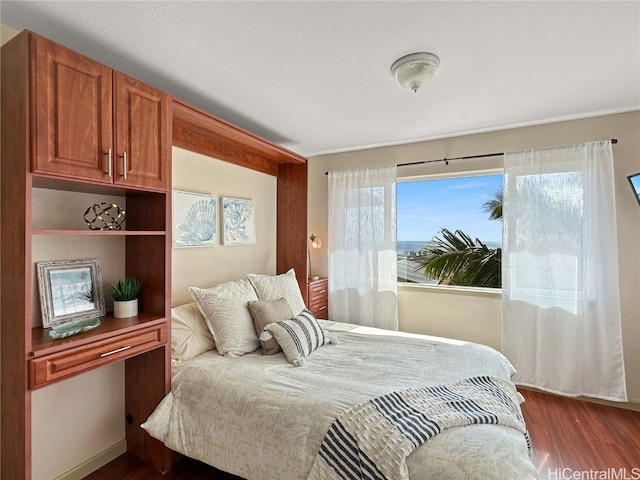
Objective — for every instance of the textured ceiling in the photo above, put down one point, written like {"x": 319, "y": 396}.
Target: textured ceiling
{"x": 314, "y": 76}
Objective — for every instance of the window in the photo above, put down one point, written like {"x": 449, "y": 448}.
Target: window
{"x": 447, "y": 219}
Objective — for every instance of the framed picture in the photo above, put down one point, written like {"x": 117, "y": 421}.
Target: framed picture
{"x": 634, "y": 180}
{"x": 194, "y": 219}
{"x": 239, "y": 222}
{"x": 70, "y": 290}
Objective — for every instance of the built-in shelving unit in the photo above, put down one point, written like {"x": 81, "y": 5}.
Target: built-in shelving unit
{"x": 78, "y": 126}
{"x": 81, "y": 127}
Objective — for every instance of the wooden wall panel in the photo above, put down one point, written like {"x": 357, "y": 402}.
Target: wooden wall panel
{"x": 291, "y": 228}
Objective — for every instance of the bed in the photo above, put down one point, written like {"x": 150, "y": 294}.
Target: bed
{"x": 261, "y": 417}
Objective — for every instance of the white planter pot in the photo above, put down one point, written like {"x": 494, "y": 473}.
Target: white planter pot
{"x": 125, "y": 309}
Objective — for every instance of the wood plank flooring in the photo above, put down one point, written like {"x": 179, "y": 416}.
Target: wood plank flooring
{"x": 571, "y": 439}
{"x": 577, "y": 439}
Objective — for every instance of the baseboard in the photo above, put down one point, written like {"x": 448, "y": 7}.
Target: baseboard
{"x": 96, "y": 462}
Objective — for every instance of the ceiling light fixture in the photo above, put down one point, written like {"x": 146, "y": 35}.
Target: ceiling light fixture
{"x": 415, "y": 70}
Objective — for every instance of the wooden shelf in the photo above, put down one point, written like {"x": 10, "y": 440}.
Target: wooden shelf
{"x": 43, "y": 344}
{"x": 116, "y": 233}
{"x": 79, "y": 358}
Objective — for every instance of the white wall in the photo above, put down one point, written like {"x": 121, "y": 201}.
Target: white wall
{"x": 477, "y": 317}
{"x": 208, "y": 266}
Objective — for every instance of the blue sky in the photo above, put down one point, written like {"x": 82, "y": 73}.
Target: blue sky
{"x": 426, "y": 207}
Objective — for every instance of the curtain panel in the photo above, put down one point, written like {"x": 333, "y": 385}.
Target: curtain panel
{"x": 561, "y": 301}
{"x": 362, "y": 247}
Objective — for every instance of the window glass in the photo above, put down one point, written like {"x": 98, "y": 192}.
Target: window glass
{"x": 446, "y": 222}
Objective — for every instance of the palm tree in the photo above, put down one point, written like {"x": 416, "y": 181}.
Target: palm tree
{"x": 494, "y": 206}
{"x": 456, "y": 259}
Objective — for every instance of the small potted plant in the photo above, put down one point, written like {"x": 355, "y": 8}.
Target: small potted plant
{"x": 125, "y": 296}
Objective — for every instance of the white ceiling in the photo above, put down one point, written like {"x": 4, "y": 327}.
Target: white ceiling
{"x": 314, "y": 76}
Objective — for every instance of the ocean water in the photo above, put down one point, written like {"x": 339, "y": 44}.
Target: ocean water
{"x": 404, "y": 246}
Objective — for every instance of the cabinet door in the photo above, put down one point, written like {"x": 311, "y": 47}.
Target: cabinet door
{"x": 72, "y": 109}
{"x": 142, "y": 133}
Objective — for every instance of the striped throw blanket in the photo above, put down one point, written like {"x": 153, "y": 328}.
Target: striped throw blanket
{"x": 373, "y": 439}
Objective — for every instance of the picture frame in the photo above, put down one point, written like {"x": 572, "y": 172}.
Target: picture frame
{"x": 239, "y": 223}
{"x": 194, "y": 219}
{"x": 634, "y": 181}
{"x": 70, "y": 290}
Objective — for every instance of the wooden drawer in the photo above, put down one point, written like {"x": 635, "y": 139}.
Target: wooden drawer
{"x": 54, "y": 367}
{"x": 318, "y": 297}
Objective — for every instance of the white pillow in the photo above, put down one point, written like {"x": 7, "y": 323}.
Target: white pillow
{"x": 225, "y": 310}
{"x": 273, "y": 287}
{"x": 190, "y": 335}
{"x": 298, "y": 337}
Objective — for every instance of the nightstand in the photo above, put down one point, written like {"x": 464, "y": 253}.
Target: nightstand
{"x": 318, "y": 297}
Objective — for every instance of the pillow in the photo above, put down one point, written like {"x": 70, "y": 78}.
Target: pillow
{"x": 298, "y": 337}
{"x": 190, "y": 335}
{"x": 273, "y": 287}
{"x": 263, "y": 314}
{"x": 225, "y": 310}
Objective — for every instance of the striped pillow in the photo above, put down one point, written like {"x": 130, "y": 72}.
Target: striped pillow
{"x": 298, "y": 337}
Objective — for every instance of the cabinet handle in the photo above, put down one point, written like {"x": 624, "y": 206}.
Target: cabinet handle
{"x": 322, "y": 291}
{"x": 109, "y": 163}
{"x": 117, "y": 350}
{"x": 124, "y": 165}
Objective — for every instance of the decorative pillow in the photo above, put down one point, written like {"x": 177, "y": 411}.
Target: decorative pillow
{"x": 263, "y": 314}
{"x": 299, "y": 336}
{"x": 225, "y": 310}
{"x": 273, "y": 287}
{"x": 190, "y": 335}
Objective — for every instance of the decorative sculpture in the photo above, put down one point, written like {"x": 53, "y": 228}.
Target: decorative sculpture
{"x": 104, "y": 216}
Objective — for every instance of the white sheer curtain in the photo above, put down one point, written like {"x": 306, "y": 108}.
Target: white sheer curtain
{"x": 362, "y": 247}
{"x": 561, "y": 302}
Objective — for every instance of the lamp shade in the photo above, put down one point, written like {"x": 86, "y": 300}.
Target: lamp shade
{"x": 314, "y": 242}
{"x": 415, "y": 70}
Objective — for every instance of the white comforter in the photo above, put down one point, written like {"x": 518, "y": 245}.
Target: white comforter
{"x": 261, "y": 418}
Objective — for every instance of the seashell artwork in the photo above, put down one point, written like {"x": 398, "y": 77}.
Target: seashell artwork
{"x": 238, "y": 221}
{"x": 195, "y": 217}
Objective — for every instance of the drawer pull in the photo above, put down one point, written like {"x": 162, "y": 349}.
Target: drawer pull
{"x": 117, "y": 350}
{"x": 322, "y": 291}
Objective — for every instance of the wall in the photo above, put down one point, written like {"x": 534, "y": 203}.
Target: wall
{"x": 207, "y": 266}
{"x": 477, "y": 316}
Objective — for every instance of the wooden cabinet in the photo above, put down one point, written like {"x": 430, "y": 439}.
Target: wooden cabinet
{"x": 318, "y": 297}
{"x": 65, "y": 112}
{"x": 96, "y": 124}
{"x": 61, "y": 113}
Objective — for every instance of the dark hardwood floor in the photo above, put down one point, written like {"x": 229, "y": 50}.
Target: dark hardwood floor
{"x": 571, "y": 439}
{"x": 577, "y": 439}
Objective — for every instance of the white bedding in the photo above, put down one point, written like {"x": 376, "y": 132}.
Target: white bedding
{"x": 261, "y": 418}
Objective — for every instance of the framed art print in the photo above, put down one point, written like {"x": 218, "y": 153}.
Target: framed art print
{"x": 239, "y": 223}
{"x": 194, "y": 219}
{"x": 70, "y": 290}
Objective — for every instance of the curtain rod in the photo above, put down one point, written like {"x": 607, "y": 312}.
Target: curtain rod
{"x": 466, "y": 157}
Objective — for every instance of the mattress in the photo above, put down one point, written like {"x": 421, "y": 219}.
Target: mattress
{"x": 261, "y": 418}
